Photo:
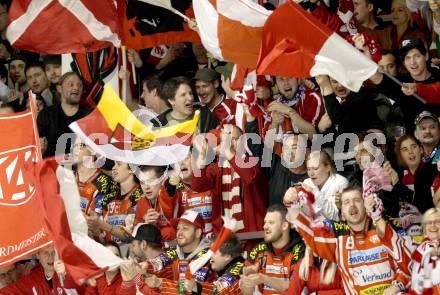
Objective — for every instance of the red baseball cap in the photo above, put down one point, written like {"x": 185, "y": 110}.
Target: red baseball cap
{"x": 190, "y": 217}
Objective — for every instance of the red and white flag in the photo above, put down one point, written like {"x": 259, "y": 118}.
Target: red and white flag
{"x": 22, "y": 230}
{"x": 296, "y": 44}
{"x": 63, "y": 26}
{"x": 83, "y": 257}
{"x": 231, "y": 29}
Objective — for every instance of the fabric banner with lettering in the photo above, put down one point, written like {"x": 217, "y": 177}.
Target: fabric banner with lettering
{"x": 22, "y": 230}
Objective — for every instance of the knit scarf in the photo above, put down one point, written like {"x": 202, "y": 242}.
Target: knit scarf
{"x": 232, "y": 205}
{"x": 425, "y": 269}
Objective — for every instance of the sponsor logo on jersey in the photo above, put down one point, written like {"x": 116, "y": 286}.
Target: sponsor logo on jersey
{"x": 371, "y": 274}
{"x": 369, "y": 255}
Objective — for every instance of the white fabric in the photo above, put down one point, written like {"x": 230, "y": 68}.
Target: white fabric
{"x": 207, "y": 22}
{"x": 247, "y": 12}
{"x": 19, "y": 26}
{"x": 100, "y": 255}
{"x": 96, "y": 28}
{"x": 325, "y": 197}
{"x": 155, "y": 156}
{"x": 352, "y": 72}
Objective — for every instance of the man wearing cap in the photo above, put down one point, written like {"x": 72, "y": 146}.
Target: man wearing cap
{"x": 146, "y": 242}
{"x": 207, "y": 83}
{"x": 428, "y": 133}
{"x": 17, "y": 64}
{"x": 414, "y": 56}
{"x": 52, "y": 67}
{"x": 227, "y": 263}
{"x": 190, "y": 245}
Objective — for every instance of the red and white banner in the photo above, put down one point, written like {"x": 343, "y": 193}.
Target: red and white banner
{"x": 22, "y": 230}
{"x": 83, "y": 257}
{"x": 63, "y": 26}
{"x": 296, "y": 44}
{"x": 231, "y": 29}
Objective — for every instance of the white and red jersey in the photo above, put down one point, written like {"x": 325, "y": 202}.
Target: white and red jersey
{"x": 186, "y": 198}
{"x": 225, "y": 111}
{"x": 367, "y": 265}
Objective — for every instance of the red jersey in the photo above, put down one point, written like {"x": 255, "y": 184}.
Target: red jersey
{"x": 365, "y": 263}
{"x": 273, "y": 265}
{"x": 35, "y": 283}
{"x": 119, "y": 209}
{"x": 185, "y": 198}
{"x": 115, "y": 287}
{"x": 99, "y": 189}
{"x": 225, "y": 111}
{"x": 163, "y": 223}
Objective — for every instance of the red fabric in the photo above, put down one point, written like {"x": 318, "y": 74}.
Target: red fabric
{"x": 287, "y": 49}
{"x": 254, "y": 192}
{"x": 77, "y": 263}
{"x": 136, "y": 40}
{"x": 36, "y": 280}
{"x": 430, "y": 92}
{"x": 163, "y": 223}
{"x": 330, "y": 20}
{"x": 313, "y": 284}
{"x": 71, "y": 34}
{"x": 225, "y": 111}
{"x": 116, "y": 287}
{"x": 17, "y": 147}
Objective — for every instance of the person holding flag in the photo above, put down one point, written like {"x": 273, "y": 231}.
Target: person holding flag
{"x": 48, "y": 277}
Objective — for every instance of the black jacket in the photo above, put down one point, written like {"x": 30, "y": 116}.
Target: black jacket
{"x": 53, "y": 122}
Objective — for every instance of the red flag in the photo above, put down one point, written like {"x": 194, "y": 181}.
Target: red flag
{"x": 23, "y": 231}
{"x": 296, "y": 44}
{"x": 146, "y": 25}
{"x": 83, "y": 257}
{"x": 231, "y": 29}
{"x": 63, "y": 26}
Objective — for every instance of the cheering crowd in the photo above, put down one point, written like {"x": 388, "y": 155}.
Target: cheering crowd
{"x": 333, "y": 191}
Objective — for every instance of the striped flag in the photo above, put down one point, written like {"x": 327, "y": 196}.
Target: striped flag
{"x": 58, "y": 194}
{"x": 231, "y": 29}
{"x": 63, "y": 26}
{"x": 111, "y": 130}
{"x": 296, "y": 44}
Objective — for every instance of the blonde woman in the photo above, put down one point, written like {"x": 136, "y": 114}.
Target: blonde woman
{"x": 324, "y": 183}
{"x": 402, "y": 26}
{"x": 425, "y": 268}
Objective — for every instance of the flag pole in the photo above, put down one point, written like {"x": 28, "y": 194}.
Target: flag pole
{"x": 421, "y": 99}
{"x": 124, "y": 81}
{"x": 32, "y": 104}
{"x": 133, "y": 72}
{"x": 179, "y": 13}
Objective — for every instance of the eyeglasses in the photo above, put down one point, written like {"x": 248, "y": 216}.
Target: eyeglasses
{"x": 433, "y": 222}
